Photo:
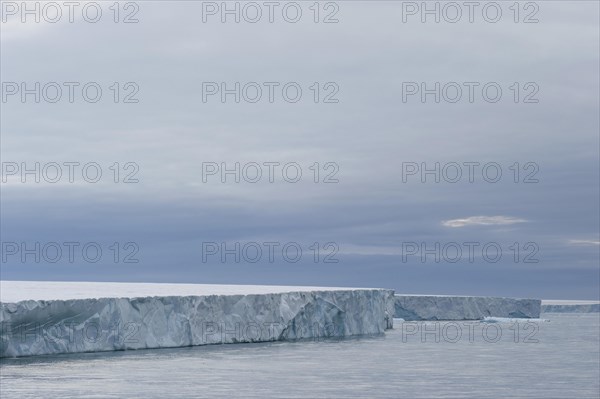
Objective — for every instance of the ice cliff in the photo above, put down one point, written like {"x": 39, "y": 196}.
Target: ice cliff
{"x": 39, "y": 318}
{"x": 552, "y": 306}
{"x": 434, "y": 307}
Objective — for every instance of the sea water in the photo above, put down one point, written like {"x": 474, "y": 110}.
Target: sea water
{"x": 557, "y": 356}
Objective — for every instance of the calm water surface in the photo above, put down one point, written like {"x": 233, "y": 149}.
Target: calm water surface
{"x": 556, "y": 357}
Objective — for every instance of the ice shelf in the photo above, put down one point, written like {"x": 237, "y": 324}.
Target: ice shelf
{"x": 446, "y": 307}
{"x": 561, "y": 306}
{"x": 38, "y": 318}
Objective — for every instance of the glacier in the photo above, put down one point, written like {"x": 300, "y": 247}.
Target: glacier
{"x": 566, "y": 306}
{"x": 448, "y": 307}
{"x": 39, "y": 318}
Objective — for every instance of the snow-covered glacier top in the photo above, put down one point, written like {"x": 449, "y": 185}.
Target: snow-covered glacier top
{"x": 16, "y": 291}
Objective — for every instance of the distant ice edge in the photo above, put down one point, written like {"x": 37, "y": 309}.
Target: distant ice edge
{"x": 32, "y": 327}
{"x": 433, "y": 307}
{"x": 576, "y": 308}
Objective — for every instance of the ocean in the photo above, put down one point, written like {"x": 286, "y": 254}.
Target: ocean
{"x": 557, "y": 356}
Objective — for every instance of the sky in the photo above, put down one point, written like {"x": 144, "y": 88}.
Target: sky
{"x": 363, "y": 180}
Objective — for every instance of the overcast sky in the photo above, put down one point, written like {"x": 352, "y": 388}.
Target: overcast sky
{"x": 379, "y": 213}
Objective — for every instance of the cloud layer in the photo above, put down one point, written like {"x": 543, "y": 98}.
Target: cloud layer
{"x": 535, "y": 168}
{"x": 483, "y": 221}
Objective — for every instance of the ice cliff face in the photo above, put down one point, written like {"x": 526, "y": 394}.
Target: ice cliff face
{"x": 39, "y": 318}
{"x": 37, "y": 327}
{"x": 570, "y": 306}
{"x": 431, "y": 307}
